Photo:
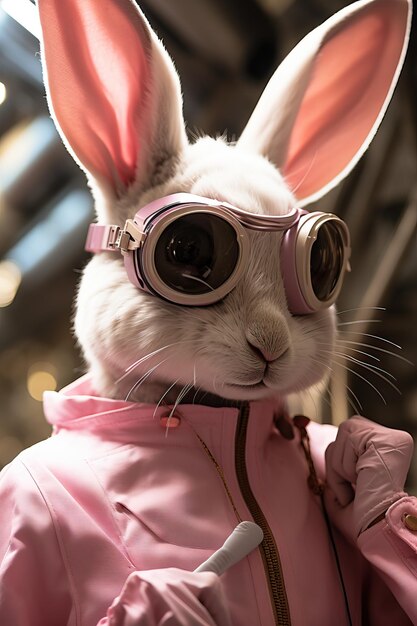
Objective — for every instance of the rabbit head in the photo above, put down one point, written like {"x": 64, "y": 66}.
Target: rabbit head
{"x": 115, "y": 98}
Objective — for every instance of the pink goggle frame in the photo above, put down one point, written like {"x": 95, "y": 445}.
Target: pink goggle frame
{"x": 192, "y": 251}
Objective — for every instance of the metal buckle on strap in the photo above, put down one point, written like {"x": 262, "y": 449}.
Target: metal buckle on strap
{"x": 130, "y": 238}
{"x": 112, "y": 238}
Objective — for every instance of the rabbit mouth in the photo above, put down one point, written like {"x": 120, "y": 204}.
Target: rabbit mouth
{"x": 259, "y": 385}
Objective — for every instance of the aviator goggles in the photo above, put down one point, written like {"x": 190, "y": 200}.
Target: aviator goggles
{"x": 192, "y": 250}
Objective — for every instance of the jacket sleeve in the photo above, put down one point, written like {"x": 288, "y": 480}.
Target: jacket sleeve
{"x": 34, "y": 589}
{"x": 169, "y": 596}
{"x": 391, "y": 547}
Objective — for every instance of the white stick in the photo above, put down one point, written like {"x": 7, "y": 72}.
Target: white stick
{"x": 245, "y": 538}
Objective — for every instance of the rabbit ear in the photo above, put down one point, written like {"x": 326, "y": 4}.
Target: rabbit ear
{"x": 112, "y": 89}
{"x": 324, "y": 103}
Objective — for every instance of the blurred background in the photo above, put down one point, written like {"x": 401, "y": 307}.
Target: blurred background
{"x": 225, "y": 52}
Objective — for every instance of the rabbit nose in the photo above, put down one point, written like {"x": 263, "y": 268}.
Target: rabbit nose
{"x": 268, "y": 355}
{"x": 267, "y": 333}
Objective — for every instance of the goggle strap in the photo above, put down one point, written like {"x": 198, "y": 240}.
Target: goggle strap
{"x": 102, "y": 238}
{"x": 256, "y": 221}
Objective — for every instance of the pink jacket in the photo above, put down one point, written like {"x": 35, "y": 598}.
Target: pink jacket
{"x": 113, "y": 492}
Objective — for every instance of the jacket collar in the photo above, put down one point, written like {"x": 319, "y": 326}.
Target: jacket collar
{"x": 78, "y": 408}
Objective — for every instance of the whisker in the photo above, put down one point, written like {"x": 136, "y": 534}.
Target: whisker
{"x": 148, "y": 356}
{"x": 327, "y": 401}
{"x": 214, "y": 384}
{"x": 352, "y": 332}
{"x": 349, "y": 389}
{"x": 358, "y": 322}
{"x": 372, "y": 369}
{"x": 314, "y": 401}
{"x": 351, "y": 403}
{"x": 355, "y": 408}
{"x": 320, "y": 362}
{"x": 180, "y": 396}
{"x": 362, "y": 308}
{"x": 143, "y": 378}
{"x": 164, "y": 395}
{"x": 203, "y": 396}
{"x": 370, "y": 366}
{"x": 349, "y": 400}
{"x": 196, "y": 393}
{"x": 349, "y": 369}
{"x": 353, "y": 359}
{"x": 138, "y": 362}
{"x": 144, "y": 358}
{"x": 377, "y": 348}
{"x": 371, "y": 356}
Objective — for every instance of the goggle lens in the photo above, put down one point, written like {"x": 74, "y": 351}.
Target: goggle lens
{"x": 196, "y": 253}
{"x": 327, "y": 260}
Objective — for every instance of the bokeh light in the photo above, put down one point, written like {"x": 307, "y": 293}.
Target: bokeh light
{"x": 10, "y": 279}
{"x": 3, "y": 93}
{"x": 41, "y": 377}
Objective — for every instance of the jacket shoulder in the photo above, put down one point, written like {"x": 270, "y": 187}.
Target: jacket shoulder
{"x": 28, "y": 538}
{"x": 25, "y": 511}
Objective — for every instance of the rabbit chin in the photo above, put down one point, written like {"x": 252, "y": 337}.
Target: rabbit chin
{"x": 270, "y": 389}
{"x": 287, "y": 379}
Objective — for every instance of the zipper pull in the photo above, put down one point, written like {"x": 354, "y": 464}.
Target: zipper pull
{"x": 315, "y": 484}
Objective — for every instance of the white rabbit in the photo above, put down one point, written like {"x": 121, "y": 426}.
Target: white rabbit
{"x": 120, "y": 514}
{"x": 119, "y": 111}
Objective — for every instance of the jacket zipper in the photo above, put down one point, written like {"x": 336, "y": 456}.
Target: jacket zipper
{"x": 268, "y": 547}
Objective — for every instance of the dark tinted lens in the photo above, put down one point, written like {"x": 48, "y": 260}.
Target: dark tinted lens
{"x": 326, "y": 261}
{"x": 196, "y": 253}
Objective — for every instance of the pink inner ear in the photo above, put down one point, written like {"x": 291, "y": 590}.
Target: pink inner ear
{"x": 97, "y": 60}
{"x": 351, "y": 79}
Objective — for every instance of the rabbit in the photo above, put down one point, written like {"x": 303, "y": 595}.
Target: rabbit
{"x": 219, "y": 342}
{"x": 115, "y": 97}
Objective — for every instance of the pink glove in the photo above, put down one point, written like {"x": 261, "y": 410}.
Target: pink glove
{"x": 169, "y": 597}
{"x": 368, "y": 464}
